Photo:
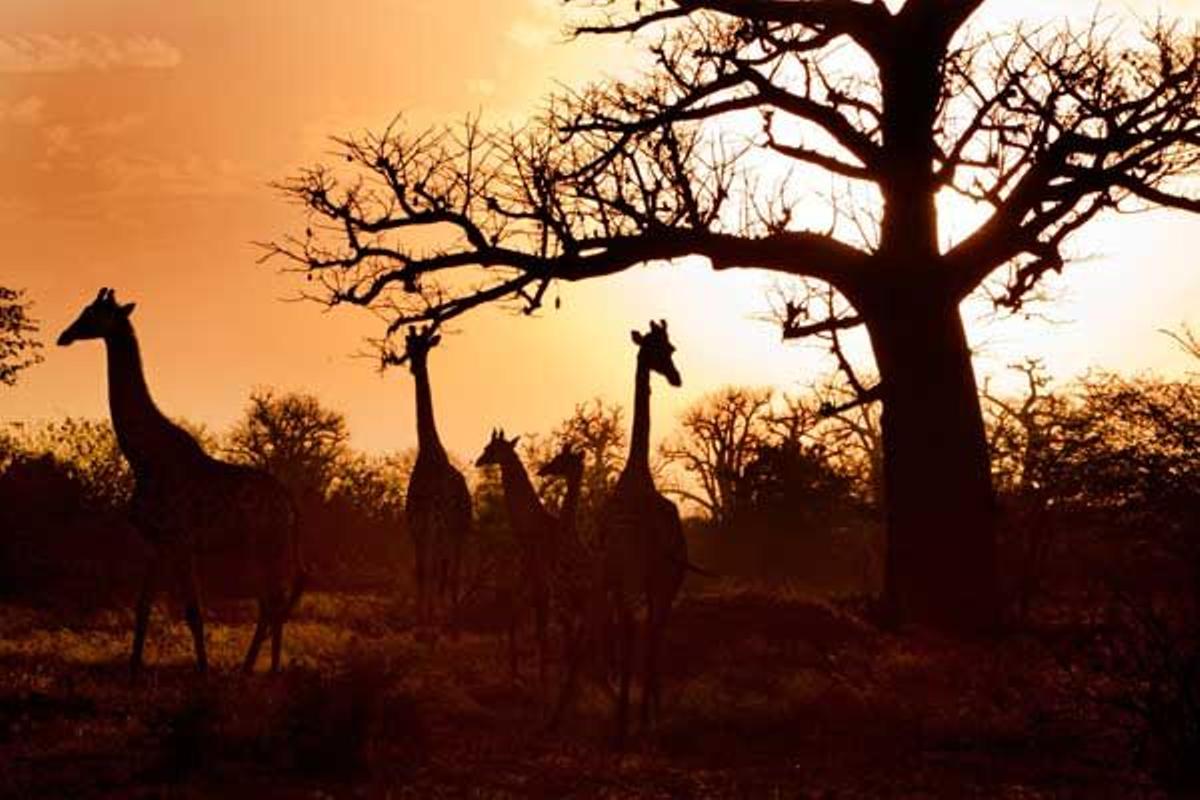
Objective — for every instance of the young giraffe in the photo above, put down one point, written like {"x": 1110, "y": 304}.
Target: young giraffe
{"x": 186, "y": 502}
{"x": 573, "y": 577}
{"x": 438, "y": 504}
{"x": 535, "y": 531}
{"x": 645, "y": 554}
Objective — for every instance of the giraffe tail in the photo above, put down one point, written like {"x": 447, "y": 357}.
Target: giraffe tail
{"x": 300, "y": 580}
{"x": 298, "y": 585}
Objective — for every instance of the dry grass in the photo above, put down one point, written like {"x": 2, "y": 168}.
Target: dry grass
{"x": 768, "y": 694}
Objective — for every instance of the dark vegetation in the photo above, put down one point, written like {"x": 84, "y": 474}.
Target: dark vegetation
{"x": 778, "y": 676}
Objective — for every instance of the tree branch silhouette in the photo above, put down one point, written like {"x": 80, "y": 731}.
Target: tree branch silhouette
{"x": 1043, "y": 130}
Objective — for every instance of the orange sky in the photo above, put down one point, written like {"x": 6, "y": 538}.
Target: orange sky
{"x": 137, "y": 138}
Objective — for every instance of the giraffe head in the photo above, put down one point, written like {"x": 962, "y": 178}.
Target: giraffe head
{"x": 498, "y": 449}
{"x": 98, "y": 320}
{"x": 655, "y": 351}
{"x": 567, "y": 464}
{"x": 417, "y": 344}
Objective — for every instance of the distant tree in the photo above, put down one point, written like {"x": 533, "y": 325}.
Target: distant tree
{"x": 293, "y": 437}
{"x": 373, "y": 485}
{"x": 597, "y": 429}
{"x": 1129, "y": 459}
{"x": 895, "y": 106}
{"x": 1029, "y": 436}
{"x": 88, "y": 451}
{"x": 792, "y": 488}
{"x": 720, "y": 436}
{"x": 18, "y": 347}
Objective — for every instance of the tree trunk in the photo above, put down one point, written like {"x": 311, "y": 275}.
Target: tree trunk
{"x": 940, "y": 507}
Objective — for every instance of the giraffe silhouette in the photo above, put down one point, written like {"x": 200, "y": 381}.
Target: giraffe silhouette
{"x": 573, "y": 578}
{"x": 536, "y": 532}
{"x": 645, "y": 554}
{"x": 187, "y": 503}
{"x": 438, "y": 505}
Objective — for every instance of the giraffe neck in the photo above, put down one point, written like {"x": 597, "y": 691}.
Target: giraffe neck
{"x": 524, "y": 506}
{"x": 570, "y": 504}
{"x": 427, "y": 435}
{"x": 144, "y": 433}
{"x": 638, "y": 462}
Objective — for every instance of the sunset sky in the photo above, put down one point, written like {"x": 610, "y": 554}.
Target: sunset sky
{"x": 138, "y": 138}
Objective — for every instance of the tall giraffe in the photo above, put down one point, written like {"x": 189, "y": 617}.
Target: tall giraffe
{"x": 536, "y": 532}
{"x": 438, "y": 505}
{"x": 186, "y": 502}
{"x": 645, "y": 554}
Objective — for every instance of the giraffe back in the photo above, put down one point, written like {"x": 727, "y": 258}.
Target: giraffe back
{"x": 644, "y": 547}
{"x": 438, "y": 503}
{"x": 213, "y": 507}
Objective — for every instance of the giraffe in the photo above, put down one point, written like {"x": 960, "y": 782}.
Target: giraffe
{"x": 535, "y": 530}
{"x": 572, "y": 577}
{"x": 438, "y": 504}
{"x": 187, "y": 503}
{"x": 645, "y": 554}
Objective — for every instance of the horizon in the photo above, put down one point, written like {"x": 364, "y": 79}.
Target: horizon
{"x": 140, "y": 138}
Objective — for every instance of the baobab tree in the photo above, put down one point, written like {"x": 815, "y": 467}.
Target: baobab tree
{"x": 711, "y": 153}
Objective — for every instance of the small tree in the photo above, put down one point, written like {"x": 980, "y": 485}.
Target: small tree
{"x": 720, "y": 437}
{"x": 293, "y": 437}
{"x": 18, "y": 347}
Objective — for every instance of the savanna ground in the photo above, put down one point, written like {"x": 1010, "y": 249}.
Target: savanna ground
{"x": 769, "y": 692}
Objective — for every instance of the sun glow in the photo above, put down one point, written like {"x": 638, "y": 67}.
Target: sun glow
{"x": 168, "y": 163}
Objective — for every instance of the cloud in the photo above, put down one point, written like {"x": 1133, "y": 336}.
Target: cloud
{"x": 27, "y": 111}
{"x": 41, "y": 53}
{"x": 189, "y": 176}
{"x": 118, "y": 126}
{"x": 60, "y": 141}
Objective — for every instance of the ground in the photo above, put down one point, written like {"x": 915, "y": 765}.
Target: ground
{"x": 769, "y": 693}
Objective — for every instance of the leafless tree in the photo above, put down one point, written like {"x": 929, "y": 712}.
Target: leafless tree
{"x": 719, "y": 438}
{"x": 1040, "y": 131}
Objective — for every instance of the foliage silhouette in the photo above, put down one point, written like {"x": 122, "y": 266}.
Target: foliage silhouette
{"x": 18, "y": 345}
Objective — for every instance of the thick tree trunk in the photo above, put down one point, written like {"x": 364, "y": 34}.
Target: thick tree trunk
{"x": 941, "y": 561}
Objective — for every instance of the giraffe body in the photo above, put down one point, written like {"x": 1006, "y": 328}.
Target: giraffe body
{"x": 536, "y": 532}
{"x": 438, "y": 503}
{"x": 575, "y": 584}
{"x": 645, "y": 554}
{"x": 187, "y": 503}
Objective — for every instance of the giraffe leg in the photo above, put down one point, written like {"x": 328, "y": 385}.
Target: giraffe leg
{"x": 514, "y": 623}
{"x": 656, "y": 622}
{"x": 142, "y": 619}
{"x": 625, "y": 640}
{"x": 455, "y": 589}
{"x": 421, "y": 563}
{"x": 260, "y": 632}
{"x": 573, "y": 652}
{"x": 189, "y": 591}
{"x": 542, "y": 613}
{"x": 441, "y": 608}
{"x": 278, "y": 617}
